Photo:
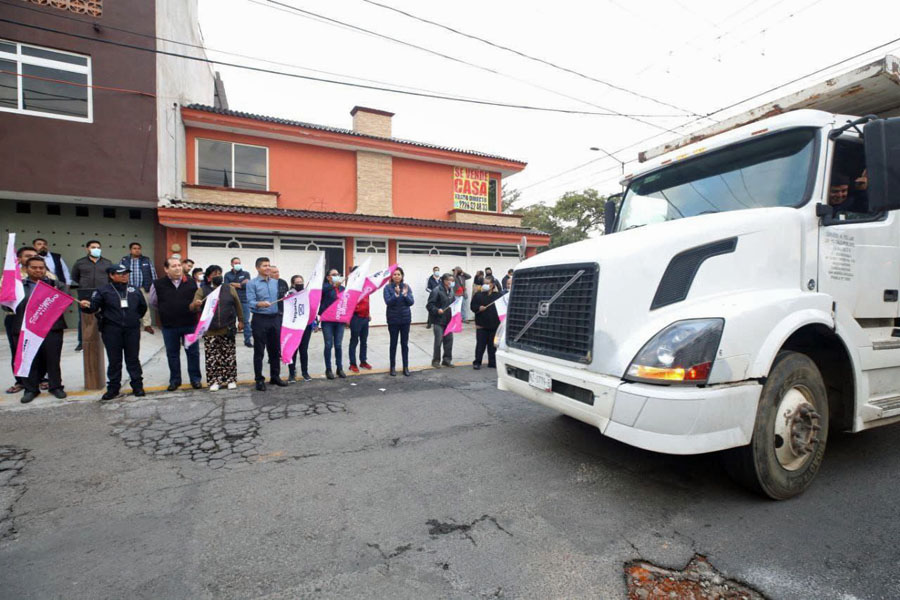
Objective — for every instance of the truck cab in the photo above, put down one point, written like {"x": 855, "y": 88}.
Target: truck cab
{"x": 746, "y": 302}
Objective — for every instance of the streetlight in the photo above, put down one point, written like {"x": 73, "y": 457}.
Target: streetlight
{"x": 609, "y": 209}
{"x": 621, "y": 163}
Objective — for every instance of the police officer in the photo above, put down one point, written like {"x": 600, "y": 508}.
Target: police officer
{"x": 121, "y": 308}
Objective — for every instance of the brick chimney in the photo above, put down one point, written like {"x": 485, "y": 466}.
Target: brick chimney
{"x": 374, "y": 170}
{"x": 371, "y": 121}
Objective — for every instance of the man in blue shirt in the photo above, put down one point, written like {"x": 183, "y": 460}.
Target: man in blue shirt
{"x": 237, "y": 278}
{"x": 262, "y": 297}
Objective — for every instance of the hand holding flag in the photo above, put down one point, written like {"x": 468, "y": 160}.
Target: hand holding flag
{"x": 11, "y": 289}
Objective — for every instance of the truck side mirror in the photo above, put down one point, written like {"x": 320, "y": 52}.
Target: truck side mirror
{"x": 609, "y": 215}
{"x": 882, "y": 139}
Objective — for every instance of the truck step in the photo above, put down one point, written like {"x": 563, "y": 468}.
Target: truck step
{"x": 886, "y": 344}
{"x": 882, "y": 408}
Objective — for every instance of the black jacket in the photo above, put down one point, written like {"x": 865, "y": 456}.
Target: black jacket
{"x": 488, "y": 319}
{"x": 282, "y": 292}
{"x": 174, "y": 304}
{"x": 58, "y": 325}
{"x": 440, "y": 299}
{"x": 89, "y": 275}
{"x": 107, "y": 301}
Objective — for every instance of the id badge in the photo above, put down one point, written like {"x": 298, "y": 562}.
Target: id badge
{"x": 123, "y": 302}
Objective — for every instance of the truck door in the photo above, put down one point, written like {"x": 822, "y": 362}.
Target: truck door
{"x": 859, "y": 252}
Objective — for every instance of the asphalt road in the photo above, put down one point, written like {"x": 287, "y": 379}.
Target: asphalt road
{"x": 437, "y": 486}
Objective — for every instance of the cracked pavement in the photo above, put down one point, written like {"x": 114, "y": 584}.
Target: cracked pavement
{"x": 436, "y": 485}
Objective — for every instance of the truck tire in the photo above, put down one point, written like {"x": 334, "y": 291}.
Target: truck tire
{"x": 790, "y": 432}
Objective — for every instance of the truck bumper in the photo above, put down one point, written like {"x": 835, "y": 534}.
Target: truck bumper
{"x": 667, "y": 419}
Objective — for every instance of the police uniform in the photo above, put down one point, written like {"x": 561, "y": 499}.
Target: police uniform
{"x": 120, "y": 308}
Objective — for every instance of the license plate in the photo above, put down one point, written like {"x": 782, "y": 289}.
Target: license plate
{"x": 541, "y": 381}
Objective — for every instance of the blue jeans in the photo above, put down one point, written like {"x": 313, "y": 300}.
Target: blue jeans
{"x": 248, "y": 331}
{"x": 173, "y": 338}
{"x": 359, "y": 334}
{"x": 333, "y": 334}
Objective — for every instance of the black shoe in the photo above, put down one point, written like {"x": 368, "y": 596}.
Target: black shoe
{"x": 341, "y": 374}
{"x": 406, "y": 371}
{"x": 59, "y": 393}
{"x": 447, "y": 364}
{"x": 393, "y": 372}
{"x": 492, "y": 366}
{"x": 110, "y": 395}
{"x": 436, "y": 364}
{"x": 28, "y": 397}
{"x": 329, "y": 374}
{"x": 476, "y": 366}
{"x": 292, "y": 378}
{"x": 173, "y": 386}
{"x": 248, "y": 344}
{"x": 196, "y": 385}
{"x": 260, "y": 386}
{"x": 78, "y": 348}
{"x": 139, "y": 392}
{"x": 278, "y": 381}
{"x": 306, "y": 377}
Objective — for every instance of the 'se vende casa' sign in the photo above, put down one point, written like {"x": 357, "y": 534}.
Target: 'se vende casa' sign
{"x": 470, "y": 189}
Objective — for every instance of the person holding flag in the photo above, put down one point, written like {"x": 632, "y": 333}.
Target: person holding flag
{"x": 487, "y": 320}
{"x": 439, "y": 307}
{"x": 301, "y": 306}
{"x": 218, "y": 339}
{"x": 119, "y": 308}
{"x": 332, "y": 330}
{"x": 39, "y": 325}
{"x": 11, "y": 294}
{"x": 398, "y": 297}
{"x": 297, "y": 286}
{"x": 359, "y": 332}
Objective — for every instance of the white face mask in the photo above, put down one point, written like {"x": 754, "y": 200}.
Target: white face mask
{"x": 337, "y": 279}
{"x": 485, "y": 288}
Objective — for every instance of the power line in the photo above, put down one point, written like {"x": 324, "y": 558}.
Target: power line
{"x": 527, "y": 56}
{"x": 308, "y": 13}
{"x": 331, "y": 81}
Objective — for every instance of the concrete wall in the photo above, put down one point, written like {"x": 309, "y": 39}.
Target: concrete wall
{"x": 178, "y": 81}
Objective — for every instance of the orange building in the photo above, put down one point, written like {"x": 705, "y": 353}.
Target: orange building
{"x": 263, "y": 186}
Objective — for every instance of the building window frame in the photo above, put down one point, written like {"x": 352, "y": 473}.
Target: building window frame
{"x": 233, "y": 144}
{"x": 23, "y": 59}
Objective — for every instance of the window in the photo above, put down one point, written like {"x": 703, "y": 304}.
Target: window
{"x": 43, "y": 82}
{"x": 82, "y": 211}
{"x": 848, "y": 184}
{"x": 492, "y": 195}
{"x": 226, "y": 164}
{"x": 54, "y": 210}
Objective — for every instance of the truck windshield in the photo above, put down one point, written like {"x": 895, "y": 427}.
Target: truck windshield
{"x": 775, "y": 170}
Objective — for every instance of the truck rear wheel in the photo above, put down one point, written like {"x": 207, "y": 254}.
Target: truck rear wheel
{"x": 790, "y": 431}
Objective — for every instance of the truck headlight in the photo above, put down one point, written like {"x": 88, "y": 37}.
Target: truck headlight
{"x": 683, "y": 352}
{"x": 498, "y": 337}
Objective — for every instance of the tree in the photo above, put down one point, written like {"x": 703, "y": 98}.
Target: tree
{"x": 573, "y": 218}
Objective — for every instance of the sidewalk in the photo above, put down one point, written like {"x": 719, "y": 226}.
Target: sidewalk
{"x": 156, "y": 371}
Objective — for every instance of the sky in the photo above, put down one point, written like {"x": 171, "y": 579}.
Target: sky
{"x": 651, "y": 68}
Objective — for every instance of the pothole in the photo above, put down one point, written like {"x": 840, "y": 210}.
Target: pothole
{"x": 12, "y": 486}
{"x": 697, "y": 581}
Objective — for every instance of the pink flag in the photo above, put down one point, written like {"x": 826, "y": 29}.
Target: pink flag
{"x": 455, "y": 324}
{"x": 293, "y": 323}
{"x": 502, "y": 305}
{"x": 341, "y": 310}
{"x": 376, "y": 280}
{"x": 206, "y": 317}
{"x": 298, "y": 310}
{"x": 11, "y": 290}
{"x": 45, "y": 305}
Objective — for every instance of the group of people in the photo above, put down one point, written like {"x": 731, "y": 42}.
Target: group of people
{"x": 120, "y": 295}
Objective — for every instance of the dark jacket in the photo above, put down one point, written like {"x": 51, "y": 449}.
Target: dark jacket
{"x": 460, "y": 284}
{"x": 89, "y": 275}
{"x": 240, "y": 277}
{"x": 227, "y": 311}
{"x": 431, "y": 284}
{"x": 148, "y": 273}
{"x": 58, "y": 266}
{"x": 174, "y": 304}
{"x": 329, "y": 296}
{"x": 283, "y": 288}
{"x": 58, "y": 325}
{"x": 398, "y": 312}
{"x": 488, "y": 319}
{"x": 505, "y": 282}
{"x": 107, "y": 301}
{"x": 440, "y": 299}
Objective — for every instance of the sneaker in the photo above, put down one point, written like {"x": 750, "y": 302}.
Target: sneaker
{"x": 214, "y": 387}
{"x": 232, "y": 386}
{"x": 306, "y": 377}
{"x": 78, "y": 348}
{"x": 354, "y": 368}
{"x": 365, "y": 365}
{"x": 436, "y": 364}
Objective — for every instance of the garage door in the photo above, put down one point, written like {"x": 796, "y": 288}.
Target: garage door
{"x": 418, "y": 259}
{"x": 499, "y": 258}
{"x": 294, "y": 255}
{"x": 377, "y": 251}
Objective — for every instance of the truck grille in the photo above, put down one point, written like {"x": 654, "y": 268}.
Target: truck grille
{"x": 566, "y": 330}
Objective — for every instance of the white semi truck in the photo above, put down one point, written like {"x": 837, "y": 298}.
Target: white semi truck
{"x": 747, "y": 299}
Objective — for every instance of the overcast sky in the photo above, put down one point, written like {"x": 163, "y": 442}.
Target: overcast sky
{"x": 696, "y": 55}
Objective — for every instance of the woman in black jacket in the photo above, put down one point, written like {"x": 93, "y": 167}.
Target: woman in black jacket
{"x": 486, "y": 321}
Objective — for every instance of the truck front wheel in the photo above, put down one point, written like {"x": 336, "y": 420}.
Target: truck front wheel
{"x": 790, "y": 431}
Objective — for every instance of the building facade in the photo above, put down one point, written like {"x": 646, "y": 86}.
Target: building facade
{"x": 263, "y": 186}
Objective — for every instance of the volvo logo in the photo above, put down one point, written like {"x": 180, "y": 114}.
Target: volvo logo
{"x": 543, "y": 308}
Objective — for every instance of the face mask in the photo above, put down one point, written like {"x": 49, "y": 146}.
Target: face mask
{"x": 436, "y": 273}
{"x": 485, "y": 288}
{"x": 95, "y": 252}
{"x": 237, "y": 268}
{"x": 298, "y": 287}
{"x": 337, "y": 279}
{"x": 217, "y": 281}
